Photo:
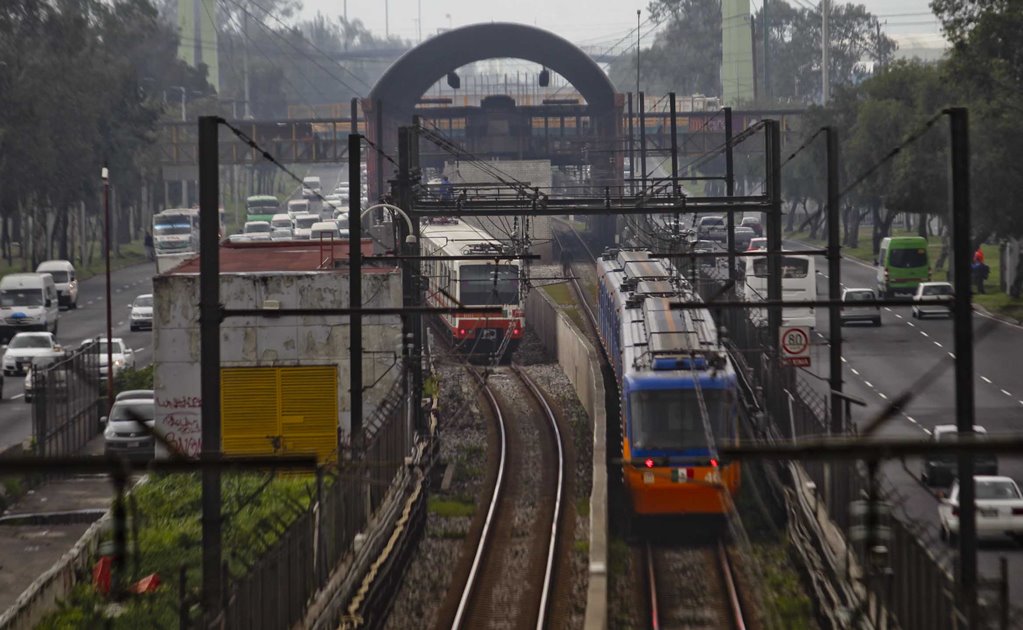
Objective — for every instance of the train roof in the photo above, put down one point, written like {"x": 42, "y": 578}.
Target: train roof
{"x": 656, "y": 334}
{"x": 458, "y": 239}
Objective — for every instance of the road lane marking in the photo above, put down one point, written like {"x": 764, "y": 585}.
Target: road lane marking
{"x": 899, "y": 316}
{"x": 855, "y": 371}
{"x": 869, "y": 384}
{"x": 952, "y": 354}
{"x": 1007, "y": 393}
{"x": 120, "y": 323}
{"x": 843, "y": 360}
{"x": 16, "y": 396}
{"x": 881, "y": 394}
{"x": 912, "y": 419}
{"x": 985, "y": 379}
{"x": 911, "y": 324}
{"x": 888, "y": 309}
{"x": 924, "y": 334}
{"x": 938, "y": 343}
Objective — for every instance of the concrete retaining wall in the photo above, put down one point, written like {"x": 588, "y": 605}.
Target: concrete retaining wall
{"x": 580, "y": 361}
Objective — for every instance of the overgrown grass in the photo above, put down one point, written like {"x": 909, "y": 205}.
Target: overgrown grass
{"x": 257, "y": 509}
{"x": 132, "y": 253}
{"x": 450, "y": 508}
{"x": 560, "y": 293}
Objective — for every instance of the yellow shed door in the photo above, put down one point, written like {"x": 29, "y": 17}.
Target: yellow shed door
{"x": 280, "y": 410}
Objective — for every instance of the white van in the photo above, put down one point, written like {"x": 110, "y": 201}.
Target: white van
{"x": 282, "y": 221}
{"x": 28, "y": 301}
{"x": 297, "y": 207}
{"x": 310, "y": 187}
{"x": 63, "y": 273}
{"x": 325, "y": 230}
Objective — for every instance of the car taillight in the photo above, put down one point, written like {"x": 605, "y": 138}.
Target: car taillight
{"x": 1017, "y": 511}
{"x": 649, "y": 463}
{"x": 714, "y": 463}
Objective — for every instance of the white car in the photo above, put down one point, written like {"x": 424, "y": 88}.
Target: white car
{"x": 257, "y": 230}
{"x": 932, "y": 292}
{"x": 25, "y": 346}
{"x": 44, "y": 361}
{"x": 142, "y": 312}
{"x": 122, "y": 355}
{"x": 999, "y": 509}
{"x": 282, "y": 220}
{"x": 281, "y": 234}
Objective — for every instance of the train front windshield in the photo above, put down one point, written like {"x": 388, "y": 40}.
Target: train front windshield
{"x": 672, "y": 419}
{"x": 482, "y": 285}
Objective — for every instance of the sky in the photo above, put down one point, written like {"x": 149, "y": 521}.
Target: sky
{"x": 597, "y": 23}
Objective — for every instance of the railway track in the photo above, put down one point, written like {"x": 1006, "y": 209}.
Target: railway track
{"x": 511, "y": 579}
{"x": 692, "y": 588}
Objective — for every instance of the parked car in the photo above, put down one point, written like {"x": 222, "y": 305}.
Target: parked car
{"x": 24, "y": 347}
{"x": 124, "y": 434}
{"x": 929, "y": 294}
{"x": 142, "y": 312}
{"x": 853, "y": 312}
{"x": 999, "y": 509}
{"x": 939, "y": 470}
{"x": 134, "y": 394}
{"x": 40, "y": 363}
{"x": 123, "y": 356}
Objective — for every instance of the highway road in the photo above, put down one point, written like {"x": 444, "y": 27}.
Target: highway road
{"x": 89, "y": 320}
{"x": 881, "y": 363}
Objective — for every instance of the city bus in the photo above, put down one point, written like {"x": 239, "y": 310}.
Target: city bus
{"x": 261, "y": 207}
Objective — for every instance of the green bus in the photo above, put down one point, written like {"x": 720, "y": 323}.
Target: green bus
{"x": 902, "y": 264}
{"x": 261, "y": 207}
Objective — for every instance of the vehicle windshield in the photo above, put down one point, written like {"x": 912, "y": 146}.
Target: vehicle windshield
{"x": 145, "y": 300}
{"x": 790, "y": 267}
{"x": 58, "y": 276}
{"x": 21, "y": 297}
{"x": 281, "y": 223}
{"x": 261, "y": 206}
{"x": 480, "y": 285}
{"x": 30, "y": 341}
{"x": 171, "y": 225}
{"x": 859, "y": 296}
{"x": 939, "y": 289}
{"x": 671, "y": 419}
{"x": 256, "y": 228}
{"x": 996, "y": 489}
{"x": 140, "y": 411}
{"x": 907, "y": 258}
{"x": 298, "y": 206}
{"x": 101, "y": 348}
{"x": 709, "y": 221}
{"x": 305, "y": 223}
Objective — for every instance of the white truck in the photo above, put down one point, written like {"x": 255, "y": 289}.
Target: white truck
{"x": 175, "y": 237}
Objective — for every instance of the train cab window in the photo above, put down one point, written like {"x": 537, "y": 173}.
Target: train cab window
{"x": 671, "y": 419}
{"x": 488, "y": 284}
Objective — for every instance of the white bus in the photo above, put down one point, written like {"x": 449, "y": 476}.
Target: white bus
{"x": 798, "y": 283}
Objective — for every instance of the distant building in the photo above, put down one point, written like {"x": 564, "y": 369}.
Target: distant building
{"x": 737, "y": 82}
{"x": 285, "y": 380}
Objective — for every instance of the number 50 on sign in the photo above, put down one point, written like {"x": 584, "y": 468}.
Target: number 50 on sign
{"x": 794, "y": 345}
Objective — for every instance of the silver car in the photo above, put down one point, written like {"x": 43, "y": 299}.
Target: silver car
{"x": 125, "y": 434}
{"x": 929, "y": 296}
{"x": 142, "y": 312}
{"x": 854, "y": 312}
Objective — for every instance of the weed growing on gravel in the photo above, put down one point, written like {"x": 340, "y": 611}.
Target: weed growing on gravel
{"x": 447, "y": 508}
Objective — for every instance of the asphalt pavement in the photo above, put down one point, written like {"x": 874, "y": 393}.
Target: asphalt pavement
{"x": 74, "y": 326}
{"x": 882, "y": 363}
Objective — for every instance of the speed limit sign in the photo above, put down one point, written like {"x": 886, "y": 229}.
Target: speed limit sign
{"x": 794, "y": 342}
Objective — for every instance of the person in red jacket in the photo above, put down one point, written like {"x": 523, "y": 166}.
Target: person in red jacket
{"x": 978, "y": 256}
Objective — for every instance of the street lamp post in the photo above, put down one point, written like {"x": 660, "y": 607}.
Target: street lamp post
{"x": 105, "y": 174}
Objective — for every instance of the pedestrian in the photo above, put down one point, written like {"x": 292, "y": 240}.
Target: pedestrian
{"x": 978, "y": 256}
{"x": 148, "y": 242}
{"x": 980, "y": 273}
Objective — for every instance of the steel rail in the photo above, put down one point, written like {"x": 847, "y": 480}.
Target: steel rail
{"x": 728, "y": 577}
{"x": 655, "y": 615}
{"x": 552, "y": 545}
{"x": 494, "y": 500}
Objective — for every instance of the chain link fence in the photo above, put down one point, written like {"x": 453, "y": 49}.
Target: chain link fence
{"x": 66, "y": 400}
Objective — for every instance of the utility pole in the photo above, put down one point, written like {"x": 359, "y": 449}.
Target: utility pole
{"x": 834, "y": 283}
{"x": 674, "y": 147}
{"x": 355, "y": 284}
{"x": 209, "y": 350}
{"x": 729, "y": 191}
{"x": 105, "y": 174}
{"x": 637, "y": 56}
{"x": 632, "y": 149}
{"x": 825, "y": 53}
{"x": 642, "y": 142}
{"x": 387, "y": 19}
{"x": 247, "y": 112}
{"x": 962, "y": 250}
{"x": 767, "y": 32}
{"x": 772, "y": 141}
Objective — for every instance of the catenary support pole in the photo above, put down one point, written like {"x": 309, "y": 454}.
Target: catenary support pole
{"x": 674, "y": 144}
{"x": 209, "y": 350}
{"x": 729, "y": 191}
{"x": 632, "y": 149}
{"x": 642, "y": 141}
{"x": 962, "y": 315}
{"x": 107, "y": 246}
{"x": 834, "y": 282}
{"x": 772, "y": 136}
{"x": 355, "y": 283}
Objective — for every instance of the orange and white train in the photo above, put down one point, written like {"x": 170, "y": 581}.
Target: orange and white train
{"x": 473, "y": 282}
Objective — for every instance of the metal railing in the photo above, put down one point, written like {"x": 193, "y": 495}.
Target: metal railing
{"x": 66, "y": 402}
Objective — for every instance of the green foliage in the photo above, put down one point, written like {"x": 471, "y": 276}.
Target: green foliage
{"x": 131, "y": 378}
{"x": 257, "y": 509}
